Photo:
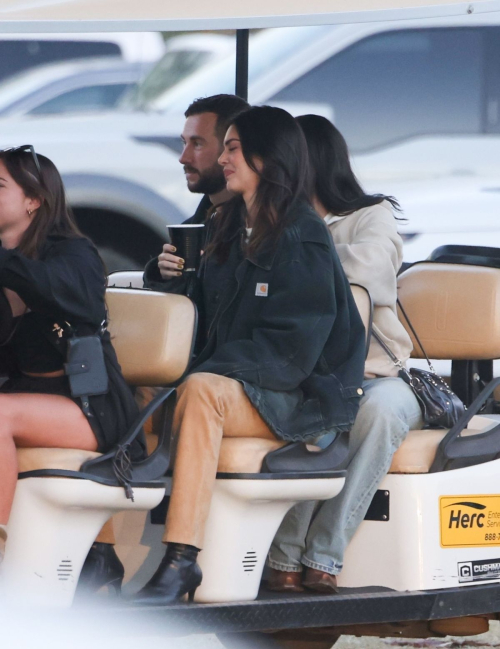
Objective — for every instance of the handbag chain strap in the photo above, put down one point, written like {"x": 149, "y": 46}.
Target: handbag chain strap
{"x": 389, "y": 351}
{"x": 416, "y": 336}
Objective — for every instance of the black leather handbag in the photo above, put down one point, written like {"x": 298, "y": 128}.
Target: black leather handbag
{"x": 440, "y": 406}
{"x": 85, "y": 366}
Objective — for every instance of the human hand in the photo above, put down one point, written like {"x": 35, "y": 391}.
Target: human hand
{"x": 169, "y": 265}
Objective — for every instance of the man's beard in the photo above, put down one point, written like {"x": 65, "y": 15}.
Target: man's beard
{"x": 210, "y": 181}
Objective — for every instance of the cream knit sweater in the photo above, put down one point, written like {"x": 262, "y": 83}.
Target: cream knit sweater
{"x": 371, "y": 252}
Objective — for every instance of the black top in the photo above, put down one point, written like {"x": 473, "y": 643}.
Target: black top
{"x": 67, "y": 284}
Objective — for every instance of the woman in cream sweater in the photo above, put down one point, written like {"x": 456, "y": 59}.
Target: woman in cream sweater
{"x": 309, "y": 547}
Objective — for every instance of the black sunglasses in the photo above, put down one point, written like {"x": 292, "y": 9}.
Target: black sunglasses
{"x": 31, "y": 149}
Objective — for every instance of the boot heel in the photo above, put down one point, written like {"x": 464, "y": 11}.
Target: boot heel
{"x": 116, "y": 586}
{"x": 191, "y": 594}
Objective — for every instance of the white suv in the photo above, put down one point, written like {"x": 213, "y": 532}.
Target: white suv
{"x": 418, "y": 102}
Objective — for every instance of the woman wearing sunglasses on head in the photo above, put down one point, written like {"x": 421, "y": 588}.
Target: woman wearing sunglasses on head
{"x": 282, "y": 353}
{"x": 52, "y": 285}
{"x": 365, "y": 235}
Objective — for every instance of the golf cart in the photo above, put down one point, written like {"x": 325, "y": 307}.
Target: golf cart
{"x": 426, "y": 560}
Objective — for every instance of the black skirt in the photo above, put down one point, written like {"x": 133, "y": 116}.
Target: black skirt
{"x": 113, "y": 413}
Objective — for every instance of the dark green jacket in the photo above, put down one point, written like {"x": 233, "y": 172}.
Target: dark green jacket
{"x": 286, "y": 327}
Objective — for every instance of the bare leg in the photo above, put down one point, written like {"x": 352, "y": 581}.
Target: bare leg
{"x": 36, "y": 420}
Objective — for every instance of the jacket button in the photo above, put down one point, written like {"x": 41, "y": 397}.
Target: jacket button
{"x": 359, "y": 391}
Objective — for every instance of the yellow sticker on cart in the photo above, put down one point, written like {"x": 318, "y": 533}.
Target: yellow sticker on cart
{"x": 469, "y": 521}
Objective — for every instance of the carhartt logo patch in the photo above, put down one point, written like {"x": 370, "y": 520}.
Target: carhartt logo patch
{"x": 262, "y": 289}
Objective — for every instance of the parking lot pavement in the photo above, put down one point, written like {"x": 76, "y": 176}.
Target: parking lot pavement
{"x": 484, "y": 641}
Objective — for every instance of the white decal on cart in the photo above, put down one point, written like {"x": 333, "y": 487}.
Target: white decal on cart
{"x": 478, "y": 570}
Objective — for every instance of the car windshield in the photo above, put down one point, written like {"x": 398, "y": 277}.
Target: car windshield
{"x": 267, "y": 48}
{"x": 171, "y": 68}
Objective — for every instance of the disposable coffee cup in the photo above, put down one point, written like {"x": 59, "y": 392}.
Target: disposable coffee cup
{"x": 187, "y": 238}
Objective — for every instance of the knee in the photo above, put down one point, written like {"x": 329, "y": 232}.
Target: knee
{"x": 379, "y": 419}
{"x": 196, "y": 384}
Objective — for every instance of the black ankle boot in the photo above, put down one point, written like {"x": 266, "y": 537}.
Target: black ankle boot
{"x": 177, "y": 575}
{"x": 102, "y": 567}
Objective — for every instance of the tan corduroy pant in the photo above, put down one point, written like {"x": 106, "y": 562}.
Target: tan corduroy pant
{"x": 209, "y": 407}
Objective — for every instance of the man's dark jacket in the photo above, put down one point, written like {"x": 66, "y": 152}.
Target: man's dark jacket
{"x": 285, "y": 325}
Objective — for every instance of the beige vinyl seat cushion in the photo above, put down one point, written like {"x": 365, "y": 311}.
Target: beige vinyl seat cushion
{"x": 416, "y": 454}
{"x": 245, "y": 454}
{"x": 237, "y": 455}
{"x": 67, "y": 459}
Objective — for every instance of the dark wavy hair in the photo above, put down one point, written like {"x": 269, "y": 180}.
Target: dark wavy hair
{"x": 54, "y": 216}
{"x": 224, "y": 106}
{"x": 273, "y": 137}
{"x": 332, "y": 179}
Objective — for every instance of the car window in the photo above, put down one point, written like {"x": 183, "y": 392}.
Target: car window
{"x": 98, "y": 97}
{"x": 23, "y": 54}
{"x": 171, "y": 68}
{"x": 266, "y": 49}
{"x": 397, "y": 85}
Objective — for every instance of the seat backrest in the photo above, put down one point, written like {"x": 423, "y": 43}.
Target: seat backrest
{"x": 152, "y": 334}
{"x": 455, "y": 310}
{"x": 365, "y": 308}
{"x": 126, "y": 279}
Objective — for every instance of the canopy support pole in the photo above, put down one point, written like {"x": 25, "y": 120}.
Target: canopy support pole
{"x": 242, "y": 36}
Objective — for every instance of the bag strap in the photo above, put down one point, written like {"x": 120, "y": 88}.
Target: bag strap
{"x": 415, "y": 336}
{"x": 387, "y": 349}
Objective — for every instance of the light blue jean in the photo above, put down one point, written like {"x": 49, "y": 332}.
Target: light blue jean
{"x": 316, "y": 534}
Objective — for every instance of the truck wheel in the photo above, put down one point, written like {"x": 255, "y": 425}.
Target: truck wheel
{"x": 124, "y": 242}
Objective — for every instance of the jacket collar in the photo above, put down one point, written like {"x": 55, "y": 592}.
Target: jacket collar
{"x": 264, "y": 258}
{"x": 332, "y": 218}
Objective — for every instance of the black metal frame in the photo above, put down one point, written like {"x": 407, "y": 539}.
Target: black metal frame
{"x": 352, "y": 606}
{"x": 241, "y": 84}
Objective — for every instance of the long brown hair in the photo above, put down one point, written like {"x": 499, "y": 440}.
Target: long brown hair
{"x": 54, "y": 216}
{"x": 271, "y": 136}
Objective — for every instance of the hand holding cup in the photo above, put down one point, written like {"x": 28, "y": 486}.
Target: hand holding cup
{"x": 169, "y": 264}
{"x": 186, "y": 241}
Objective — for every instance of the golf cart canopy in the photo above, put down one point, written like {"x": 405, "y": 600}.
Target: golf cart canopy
{"x": 126, "y": 15}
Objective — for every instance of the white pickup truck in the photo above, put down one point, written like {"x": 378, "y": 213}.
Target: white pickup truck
{"x": 418, "y": 102}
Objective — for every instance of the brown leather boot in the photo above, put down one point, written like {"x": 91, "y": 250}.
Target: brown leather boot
{"x": 285, "y": 582}
{"x": 321, "y": 582}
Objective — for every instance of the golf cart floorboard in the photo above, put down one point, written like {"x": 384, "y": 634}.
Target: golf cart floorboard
{"x": 275, "y": 611}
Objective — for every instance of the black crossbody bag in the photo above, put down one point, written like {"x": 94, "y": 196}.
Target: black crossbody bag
{"x": 85, "y": 366}
{"x": 440, "y": 406}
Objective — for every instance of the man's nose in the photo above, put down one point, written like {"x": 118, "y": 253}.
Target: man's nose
{"x": 185, "y": 158}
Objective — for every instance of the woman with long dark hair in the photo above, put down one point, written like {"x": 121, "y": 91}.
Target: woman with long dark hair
{"x": 282, "y": 347}
{"x": 363, "y": 229}
{"x": 52, "y": 285}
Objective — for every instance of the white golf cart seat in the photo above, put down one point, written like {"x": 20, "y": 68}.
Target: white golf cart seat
{"x": 126, "y": 279}
{"x": 64, "y": 496}
{"x": 455, "y": 310}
